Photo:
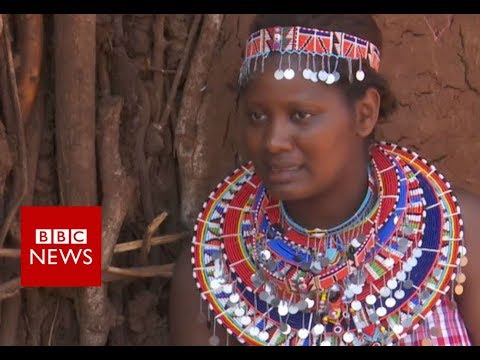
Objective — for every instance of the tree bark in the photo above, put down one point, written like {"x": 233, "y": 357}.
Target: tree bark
{"x": 188, "y": 118}
{"x": 75, "y": 65}
{"x": 118, "y": 187}
{"x": 30, "y": 45}
{"x": 75, "y": 108}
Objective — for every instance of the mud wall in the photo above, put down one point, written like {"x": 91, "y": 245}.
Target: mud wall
{"x": 432, "y": 63}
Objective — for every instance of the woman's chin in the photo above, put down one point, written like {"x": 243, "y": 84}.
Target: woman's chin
{"x": 285, "y": 192}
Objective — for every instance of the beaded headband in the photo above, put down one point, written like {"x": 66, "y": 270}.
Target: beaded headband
{"x": 317, "y": 45}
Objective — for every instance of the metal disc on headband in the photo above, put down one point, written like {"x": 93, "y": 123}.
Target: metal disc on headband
{"x": 322, "y": 75}
{"x": 307, "y": 73}
{"x": 289, "y": 74}
{"x": 330, "y": 79}
{"x": 278, "y": 74}
{"x": 360, "y": 75}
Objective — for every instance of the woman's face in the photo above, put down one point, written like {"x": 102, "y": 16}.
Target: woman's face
{"x": 299, "y": 135}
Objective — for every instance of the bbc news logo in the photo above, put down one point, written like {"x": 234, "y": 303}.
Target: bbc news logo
{"x": 63, "y": 255}
{"x": 60, "y": 246}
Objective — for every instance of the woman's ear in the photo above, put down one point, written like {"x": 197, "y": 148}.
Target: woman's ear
{"x": 367, "y": 109}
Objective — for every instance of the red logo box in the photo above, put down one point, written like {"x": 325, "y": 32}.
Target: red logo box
{"x": 61, "y": 246}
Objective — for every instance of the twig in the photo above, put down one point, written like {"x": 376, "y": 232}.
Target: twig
{"x": 9, "y": 288}
{"x": 50, "y": 336}
{"x": 10, "y": 315}
{"x": 159, "y": 44}
{"x": 142, "y": 271}
{"x": 33, "y": 317}
{"x": 119, "y": 248}
{"x": 118, "y": 187}
{"x": 30, "y": 45}
{"x": 154, "y": 241}
{"x": 180, "y": 69}
{"x": 9, "y": 253}
{"x": 154, "y": 225}
{"x": 163, "y": 71}
{"x": 22, "y": 150}
{"x": 144, "y": 114}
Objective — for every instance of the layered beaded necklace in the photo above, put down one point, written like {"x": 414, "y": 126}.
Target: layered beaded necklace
{"x": 369, "y": 281}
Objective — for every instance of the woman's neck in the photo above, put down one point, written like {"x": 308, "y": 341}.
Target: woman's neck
{"x": 335, "y": 205}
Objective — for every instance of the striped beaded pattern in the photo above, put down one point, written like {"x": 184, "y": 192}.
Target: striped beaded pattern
{"x": 263, "y": 286}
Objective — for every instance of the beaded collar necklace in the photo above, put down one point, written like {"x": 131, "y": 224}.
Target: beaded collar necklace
{"x": 370, "y": 281}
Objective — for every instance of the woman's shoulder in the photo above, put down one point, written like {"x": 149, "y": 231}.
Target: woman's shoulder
{"x": 470, "y": 206}
{"x": 470, "y": 209}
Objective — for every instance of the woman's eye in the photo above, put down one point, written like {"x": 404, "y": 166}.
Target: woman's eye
{"x": 257, "y": 117}
{"x": 301, "y": 115}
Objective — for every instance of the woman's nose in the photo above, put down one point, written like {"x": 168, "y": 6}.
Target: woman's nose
{"x": 278, "y": 136}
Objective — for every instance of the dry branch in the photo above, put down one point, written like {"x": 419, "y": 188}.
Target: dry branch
{"x": 141, "y": 271}
{"x": 10, "y": 253}
{"x": 154, "y": 225}
{"x": 118, "y": 187}
{"x": 181, "y": 67}
{"x": 159, "y": 44}
{"x": 22, "y": 177}
{"x": 95, "y": 316}
{"x": 122, "y": 247}
{"x": 75, "y": 108}
{"x": 154, "y": 241}
{"x": 6, "y": 160}
{"x": 33, "y": 317}
{"x": 144, "y": 114}
{"x": 9, "y": 288}
{"x": 30, "y": 45}
{"x": 75, "y": 61}
{"x": 186, "y": 129}
{"x": 33, "y": 135}
{"x": 10, "y": 315}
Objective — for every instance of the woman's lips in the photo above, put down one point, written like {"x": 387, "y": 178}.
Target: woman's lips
{"x": 282, "y": 174}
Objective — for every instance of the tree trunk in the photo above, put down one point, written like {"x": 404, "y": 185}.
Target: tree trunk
{"x": 75, "y": 108}
{"x": 75, "y": 51}
{"x": 190, "y": 152}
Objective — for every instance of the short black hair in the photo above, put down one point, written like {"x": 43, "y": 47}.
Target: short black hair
{"x": 360, "y": 25}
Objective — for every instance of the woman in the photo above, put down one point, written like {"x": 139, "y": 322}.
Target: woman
{"x": 326, "y": 237}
